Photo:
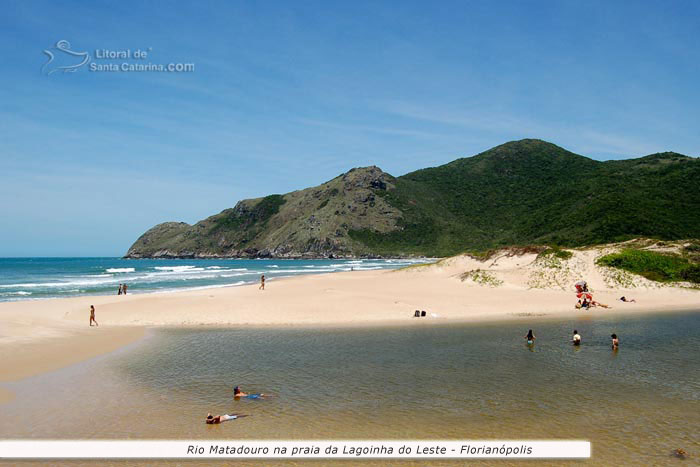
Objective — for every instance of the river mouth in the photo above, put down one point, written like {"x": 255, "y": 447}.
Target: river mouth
{"x": 461, "y": 381}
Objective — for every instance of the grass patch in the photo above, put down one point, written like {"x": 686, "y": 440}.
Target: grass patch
{"x": 659, "y": 267}
{"x": 481, "y": 277}
{"x": 557, "y": 253}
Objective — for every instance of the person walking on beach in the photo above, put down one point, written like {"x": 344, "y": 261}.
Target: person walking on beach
{"x": 577, "y": 338}
{"x": 121, "y": 289}
{"x": 615, "y": 341}
{"x": 92, "y": 316}
{"x": 530, "y": 337}
{"x": 262, "y": 282}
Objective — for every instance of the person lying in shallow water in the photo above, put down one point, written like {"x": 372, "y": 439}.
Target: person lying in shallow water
{"x": 237, "y": 393}
{"x": 212, "y": 420}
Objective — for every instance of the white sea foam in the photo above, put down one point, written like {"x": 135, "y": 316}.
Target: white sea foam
{"x": 69, "y": 283}
{"x": 176, "y": 268}
{"x": 177, "y": 277}
{"x": 286, "y": 271}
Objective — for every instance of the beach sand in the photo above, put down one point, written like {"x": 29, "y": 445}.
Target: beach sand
{"x": 41, "y": 335}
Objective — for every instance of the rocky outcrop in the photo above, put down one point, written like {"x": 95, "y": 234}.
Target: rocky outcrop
{"x": 310, "y": 223}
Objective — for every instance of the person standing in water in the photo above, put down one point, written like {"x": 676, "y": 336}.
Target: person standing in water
{"x": 124, "y": 287}
{"x": 119, "y": 292}
{"x": 530, "y": 337}
{"x": 615, "y": 341}
{"x": 577, "y": 338}
{"x": 92, "y": 316}
{"x": 262, "y": 282}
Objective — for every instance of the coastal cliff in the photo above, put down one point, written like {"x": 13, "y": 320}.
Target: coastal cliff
{"x": 314, "y": 222}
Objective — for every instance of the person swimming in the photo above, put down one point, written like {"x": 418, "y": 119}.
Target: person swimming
{"x": 237, "y": 393}
{"x": 615, "y": 341}
{"x": 577, "y": 338}
{"x": 212, "y": 420}
{"x": 530, "y": 337}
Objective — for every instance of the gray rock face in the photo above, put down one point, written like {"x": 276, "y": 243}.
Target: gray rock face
{"x": 310, "y": 223}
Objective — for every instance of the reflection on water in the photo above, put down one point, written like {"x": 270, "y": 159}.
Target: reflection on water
{"x": 458, "y": 382}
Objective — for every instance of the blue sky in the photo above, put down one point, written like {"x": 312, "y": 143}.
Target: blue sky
{"x": 286, "y": 95}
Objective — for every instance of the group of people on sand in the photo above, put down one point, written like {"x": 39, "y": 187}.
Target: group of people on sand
{"x": 238, "y": 394}
{"x": 575, "y": 339}
{"x": 585, "y": 297}
{"x": 122, "y": 289}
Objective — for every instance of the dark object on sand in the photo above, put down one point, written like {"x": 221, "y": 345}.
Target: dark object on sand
{"x": 416, "y": 314}
{"x": 423, "y": 313}
{"x": 680, "y": 453}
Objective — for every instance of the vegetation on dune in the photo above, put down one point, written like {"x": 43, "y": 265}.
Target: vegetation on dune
{"x": 481, "y": 277}
{"x": 661, "y": 267}
{"x": 557, "y": 253}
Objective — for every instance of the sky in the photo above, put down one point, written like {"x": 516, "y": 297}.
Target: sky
{"x": 287, "y": 95}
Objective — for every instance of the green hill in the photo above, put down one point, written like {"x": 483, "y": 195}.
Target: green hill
{"x": 521, "y": 192}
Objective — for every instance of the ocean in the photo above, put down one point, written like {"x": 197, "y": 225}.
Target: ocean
{"x": 423, "y": 381}
{"x": 33, "y": 278}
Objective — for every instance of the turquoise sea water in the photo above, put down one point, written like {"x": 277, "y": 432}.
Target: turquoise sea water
{"x": 31, "y": 278}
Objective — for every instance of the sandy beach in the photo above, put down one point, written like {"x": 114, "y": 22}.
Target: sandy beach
{"x": 41, "y": 335}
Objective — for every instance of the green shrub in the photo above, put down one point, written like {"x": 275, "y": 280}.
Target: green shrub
{"x": 692, "y": 274}
{"x": 557, "y": 252}
{"x": 660, "y": 267}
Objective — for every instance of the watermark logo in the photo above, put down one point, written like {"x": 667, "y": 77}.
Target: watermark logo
{"x": 63, "y": 59}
